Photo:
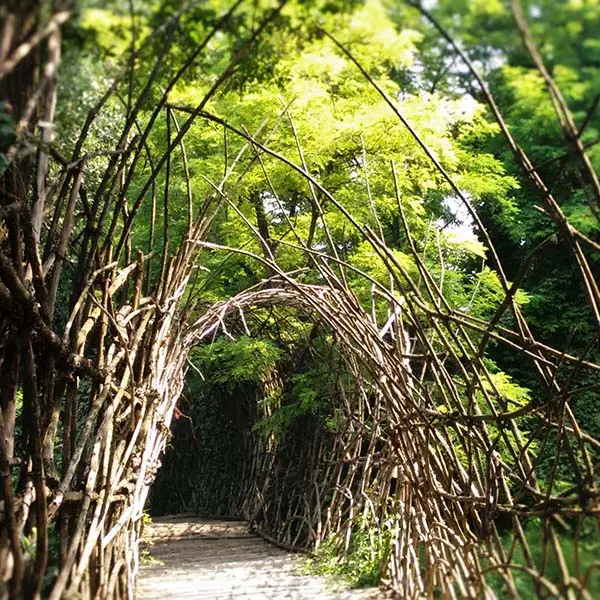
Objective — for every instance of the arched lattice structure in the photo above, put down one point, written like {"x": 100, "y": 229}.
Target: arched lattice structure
{"x": 102, "y": 386}
{"x": 457, "y": 465}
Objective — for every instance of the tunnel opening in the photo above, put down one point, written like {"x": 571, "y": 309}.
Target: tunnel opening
{"x": 272, "y": 429}
{"x": 206, "y": 459}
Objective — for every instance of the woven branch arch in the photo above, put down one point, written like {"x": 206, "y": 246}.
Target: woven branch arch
{"x": 448, "y": 492}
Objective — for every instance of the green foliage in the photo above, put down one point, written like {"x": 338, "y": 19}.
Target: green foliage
{"x": 314, "y": 378}
{"x": 7, "y": 133}
{"x": 7, "y": 125}
{"x": 514, "y": 394}
{"x": 110, "y": 31}
{"x": 588, "y": 547}
{"x": 204, "y": 466}
{"x": 53, "y": 554}
{"x": 360, "y": 563}
{"x": 234, "y": 362}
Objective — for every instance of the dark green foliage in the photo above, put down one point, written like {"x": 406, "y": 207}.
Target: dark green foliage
{"x": 204, "y": 467}
{"x": 588, "y": 546}
{"x": 227, "y": 414}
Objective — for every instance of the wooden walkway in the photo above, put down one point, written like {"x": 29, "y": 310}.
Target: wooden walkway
{"x": 219, "y": 560}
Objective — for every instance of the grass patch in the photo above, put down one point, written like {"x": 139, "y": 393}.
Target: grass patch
{"x": 359, "y": 565}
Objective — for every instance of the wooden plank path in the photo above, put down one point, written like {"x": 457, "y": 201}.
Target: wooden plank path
{"x": 218, "y": 560}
